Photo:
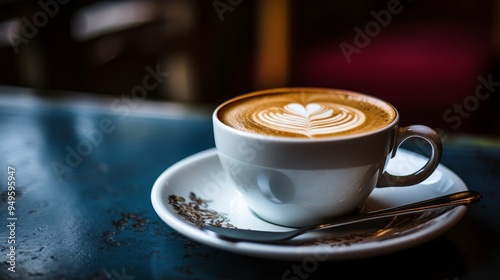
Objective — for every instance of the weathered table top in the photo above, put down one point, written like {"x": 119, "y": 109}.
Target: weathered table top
{"x": 83, "y": 174}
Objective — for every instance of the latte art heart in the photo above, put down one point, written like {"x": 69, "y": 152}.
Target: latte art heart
{"x": 310, "y": 119}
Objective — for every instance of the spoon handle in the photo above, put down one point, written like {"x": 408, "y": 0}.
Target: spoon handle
{"x": 450, "y": 200}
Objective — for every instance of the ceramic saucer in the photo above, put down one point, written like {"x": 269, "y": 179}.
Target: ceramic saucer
{"x": 196, "y": 191}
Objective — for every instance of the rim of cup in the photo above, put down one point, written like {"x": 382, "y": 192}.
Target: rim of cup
{"x": 259, "y": 136}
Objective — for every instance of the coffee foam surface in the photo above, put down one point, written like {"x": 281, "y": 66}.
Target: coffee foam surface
{"x": 307, "y": 114}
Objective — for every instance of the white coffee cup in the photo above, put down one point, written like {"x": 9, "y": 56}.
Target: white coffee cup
{"x": 298, "y": 181}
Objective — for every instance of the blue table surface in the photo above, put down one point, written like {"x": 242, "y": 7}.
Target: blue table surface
{"x": 84, "y": 172}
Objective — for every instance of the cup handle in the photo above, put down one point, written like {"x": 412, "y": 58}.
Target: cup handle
{"x": 403, "y": 134}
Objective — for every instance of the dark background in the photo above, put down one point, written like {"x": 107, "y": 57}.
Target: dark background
{"x": 427, "y": 60}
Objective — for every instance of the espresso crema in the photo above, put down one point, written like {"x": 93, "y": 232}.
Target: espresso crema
{"x": 306, "y": 113}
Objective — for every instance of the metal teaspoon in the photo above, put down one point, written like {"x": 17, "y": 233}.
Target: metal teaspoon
{"x": 449, "y": 200}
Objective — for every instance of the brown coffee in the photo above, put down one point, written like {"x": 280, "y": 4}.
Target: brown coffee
{"x": 306, "y": 113}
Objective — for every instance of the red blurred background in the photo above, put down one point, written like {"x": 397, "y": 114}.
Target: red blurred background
{"x": 426, "y": 58}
